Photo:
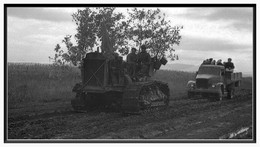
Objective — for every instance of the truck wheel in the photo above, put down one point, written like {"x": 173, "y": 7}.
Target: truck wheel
{"x": 231, "y": 94}
{"x": 220, "y": 97}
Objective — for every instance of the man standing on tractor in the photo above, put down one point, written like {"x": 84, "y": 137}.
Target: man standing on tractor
{"x": 144, "y": 60}
{"x": 131, "y": 59}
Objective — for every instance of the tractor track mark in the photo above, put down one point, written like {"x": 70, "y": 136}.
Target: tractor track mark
{"x": 40, "y": 115}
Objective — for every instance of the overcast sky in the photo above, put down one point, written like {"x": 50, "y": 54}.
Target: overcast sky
{"x": 217, "y": 33}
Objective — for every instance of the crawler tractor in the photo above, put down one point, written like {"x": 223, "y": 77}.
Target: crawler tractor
{"x": 106, "y": 85}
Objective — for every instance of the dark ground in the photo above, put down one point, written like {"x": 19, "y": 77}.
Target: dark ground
{"x": 184, "y": 119}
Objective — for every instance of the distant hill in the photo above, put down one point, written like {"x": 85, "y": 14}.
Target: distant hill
{"x": 180, "y": 67}
{"x": 247, "y": 74}
{"x": 193, "y": 68}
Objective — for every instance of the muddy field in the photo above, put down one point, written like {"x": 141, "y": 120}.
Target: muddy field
{"x": 192, "y": 119}
{"x": 184, "y": 119}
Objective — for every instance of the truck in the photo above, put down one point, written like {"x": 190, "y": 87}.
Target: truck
{"x": 214, "y": 82}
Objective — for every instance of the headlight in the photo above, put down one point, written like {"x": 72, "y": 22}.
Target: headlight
{"x": 191, "y": 85}
{"x": 214, "y": 85}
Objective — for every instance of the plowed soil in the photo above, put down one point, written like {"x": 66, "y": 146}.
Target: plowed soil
{"x": 183, "y": 119}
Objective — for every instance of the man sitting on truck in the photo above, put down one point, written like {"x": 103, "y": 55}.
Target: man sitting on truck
{"x": 207, "y": 61}
{"x": 229, "y": 66}
{"x": 219, "y": 62}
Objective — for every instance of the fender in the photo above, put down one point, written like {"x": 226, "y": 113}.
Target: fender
{"x": 190, "y": 83}
{"x": 219, "y": 84}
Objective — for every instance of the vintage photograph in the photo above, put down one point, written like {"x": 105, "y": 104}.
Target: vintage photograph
{"x": 130, "y": 73}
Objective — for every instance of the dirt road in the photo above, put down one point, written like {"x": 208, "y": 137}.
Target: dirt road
{"x": 184, "y": 119}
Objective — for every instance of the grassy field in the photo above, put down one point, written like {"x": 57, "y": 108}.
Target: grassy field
{"x": 176, "y": 80}
{"x": 35, "y": 88}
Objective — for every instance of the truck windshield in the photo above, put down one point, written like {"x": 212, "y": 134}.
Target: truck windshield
{"x": 209, "y": 70}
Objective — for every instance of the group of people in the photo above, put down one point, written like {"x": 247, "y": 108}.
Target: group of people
{"x": 140, "y": 61}
{"x": 228, "y": 65}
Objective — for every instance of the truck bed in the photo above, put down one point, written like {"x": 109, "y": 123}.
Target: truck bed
{"x": 234, "y": 76}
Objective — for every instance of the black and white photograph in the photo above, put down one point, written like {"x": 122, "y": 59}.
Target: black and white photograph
{"x": 130, "y": 73}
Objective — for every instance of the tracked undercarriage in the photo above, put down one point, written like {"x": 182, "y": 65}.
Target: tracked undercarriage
{"x": 145, "y": 96}
{"x": 136, "y": 98}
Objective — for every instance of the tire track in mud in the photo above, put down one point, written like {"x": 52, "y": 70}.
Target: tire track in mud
{"x": 53, "y": 124}
{"x": 66, "y": 124}
{"x": 174, "y": 104}
{"x": 40, "y": 115}
{"x": 179, "y": 111}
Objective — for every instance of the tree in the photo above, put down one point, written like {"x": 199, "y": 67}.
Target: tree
{"x": 89, "y": 22}
{"x": 141, "y": 26}
{"x": 149, "y": 27}
{"x": 72, "y": 55}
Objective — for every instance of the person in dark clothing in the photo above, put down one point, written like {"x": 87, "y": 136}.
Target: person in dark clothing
{"x": 229, "y": 65}
{"x": 210, "y": 60}
{"x": 207, "y": 61}
{"x": 213, "y": 62}
{"x": 219, "y": 62}
{"x": 204, "y": 62}
{"x": 131, "y": 59}
{"x": 144, "y": 60}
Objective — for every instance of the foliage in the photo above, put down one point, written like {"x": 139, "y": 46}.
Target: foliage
{"x": 89, "y": 22}
{"x": 149, "y": 27}
{"x": 73, "y": 54}
{"x": 141, "y": 26}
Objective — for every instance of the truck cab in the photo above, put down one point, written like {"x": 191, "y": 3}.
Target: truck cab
{"x": 214, "y": 82}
